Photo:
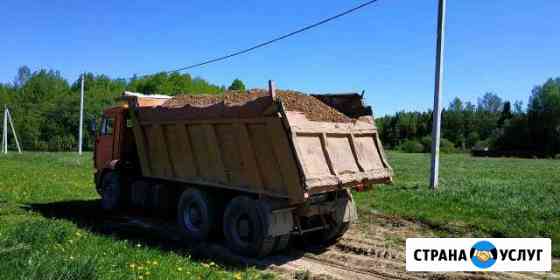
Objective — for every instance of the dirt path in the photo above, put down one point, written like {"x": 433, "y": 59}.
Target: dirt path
{"x": 373, "y": 249}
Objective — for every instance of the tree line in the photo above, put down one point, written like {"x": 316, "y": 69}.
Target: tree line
{"x": 494, "y": 125}
{"x": 45, "y": 106}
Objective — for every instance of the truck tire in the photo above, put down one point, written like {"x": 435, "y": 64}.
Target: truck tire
{"x": 195, "y": 214}
{"x": 111, "y": 193}
{"x": 330, "y": 235}
{"x": 139, "y": 194}
{"x": 246, "y": 227}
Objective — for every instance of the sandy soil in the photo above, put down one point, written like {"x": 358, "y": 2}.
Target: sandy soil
{"x": 252, "y": 103}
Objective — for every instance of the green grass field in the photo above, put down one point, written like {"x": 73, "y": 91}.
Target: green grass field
{"x": 48, "y": 209}
{"x": 34, "y": 186}
{"x": 486, "y": 197}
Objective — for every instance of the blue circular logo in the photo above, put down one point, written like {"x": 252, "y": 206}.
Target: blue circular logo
{"x": 483, "y": 254}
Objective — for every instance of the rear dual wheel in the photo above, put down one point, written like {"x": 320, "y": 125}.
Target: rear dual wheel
{"x": 246, "y": 226}
{"x": 195, "y": 214}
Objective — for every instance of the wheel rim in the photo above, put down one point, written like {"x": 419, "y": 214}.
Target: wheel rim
{"x": 243, "y": 230}
{"x": 192, "y": 217}
{"x": 109, "y": 195}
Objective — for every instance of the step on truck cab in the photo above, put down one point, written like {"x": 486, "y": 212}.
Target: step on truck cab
{"x": 257, "y": 166}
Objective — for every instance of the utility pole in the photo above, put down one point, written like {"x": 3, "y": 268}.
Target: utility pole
{"x": 5, "y": 131}
{"x": 13, "y": 131}
{"x": 81, "y": 116}
{"x": 436, "y": 125}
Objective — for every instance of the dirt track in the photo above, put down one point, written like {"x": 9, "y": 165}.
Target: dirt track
{"x": 375, "y": 251}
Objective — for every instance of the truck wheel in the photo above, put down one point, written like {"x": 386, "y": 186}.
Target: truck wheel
{"x": 110, "y": 191}
{"x": 139, "y": 194}
{"x": 246, "y": 227}
{"x": 195, "y": 214}
{"x": 330, "y": 235}
{"x": 325, "y": 237}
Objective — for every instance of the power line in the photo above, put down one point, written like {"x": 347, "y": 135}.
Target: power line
{"x": 303, "y": 29}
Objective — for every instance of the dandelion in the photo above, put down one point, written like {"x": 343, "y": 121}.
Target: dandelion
{"x": 179, "y": 269}
{"x": 237, "y": 276}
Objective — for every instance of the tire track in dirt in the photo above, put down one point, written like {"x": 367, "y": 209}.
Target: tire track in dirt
{"x": 360, "y": 254}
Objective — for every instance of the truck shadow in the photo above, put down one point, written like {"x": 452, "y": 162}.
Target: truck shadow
{"x": 163, "y": 234}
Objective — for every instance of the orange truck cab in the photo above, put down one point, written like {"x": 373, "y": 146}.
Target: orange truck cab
{"x": 114, "y": 144}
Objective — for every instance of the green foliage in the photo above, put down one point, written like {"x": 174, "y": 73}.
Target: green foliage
{"x": 45, "y": 107}
{"x": 544, "y": 117}
{"x": 237, "y": 84}
{"x": 492, "y": 124}
{"x": 172, "y": 84}
{"x": 484, "y": 197}
{"x": 411, "y": 146}
{"x": 445, "y": 146}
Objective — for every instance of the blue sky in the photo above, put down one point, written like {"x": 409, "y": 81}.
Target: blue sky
{"x": 386, "y": 49}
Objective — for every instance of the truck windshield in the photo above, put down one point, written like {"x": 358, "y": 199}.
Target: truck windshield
{"x": 107, "y": 126}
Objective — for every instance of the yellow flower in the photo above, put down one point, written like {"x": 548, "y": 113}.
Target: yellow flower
{"x": 179, "y": 268}
{"x": 237, "y": 276}
{"x": 132, "y": 265}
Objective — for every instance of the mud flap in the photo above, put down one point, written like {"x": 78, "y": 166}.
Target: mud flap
{"x": 345, "y": 210}
{"x": 281, "y": 222}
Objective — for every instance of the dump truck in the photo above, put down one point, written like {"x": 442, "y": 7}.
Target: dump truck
{"x": 256, "y": 167}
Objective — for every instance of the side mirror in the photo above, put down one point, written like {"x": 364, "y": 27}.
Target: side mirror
{"x": 93, "y": 127}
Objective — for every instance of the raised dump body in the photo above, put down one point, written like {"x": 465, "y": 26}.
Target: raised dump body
{"x": 264, "y": 149}
{"x": 258, "y": 166}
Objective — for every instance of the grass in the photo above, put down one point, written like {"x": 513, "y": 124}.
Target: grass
{"x": 496, "y": 197}
{"x": 48, "y": 208}
{"x": 47, "y": 211}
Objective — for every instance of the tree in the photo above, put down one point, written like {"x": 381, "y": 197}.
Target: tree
{"x": 46, "y": 107}
{"x": 544, "y": 117}
{"x": 24, "y": 73}
{"x": 505, "y": 114}
{"x": 237, "y": 84}
{"x": 490, "y": 102}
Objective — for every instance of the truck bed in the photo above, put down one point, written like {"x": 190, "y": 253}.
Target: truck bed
{"x": 259, "y": 146}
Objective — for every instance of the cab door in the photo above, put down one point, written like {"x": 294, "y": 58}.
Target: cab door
{"x": 104, "y": 141}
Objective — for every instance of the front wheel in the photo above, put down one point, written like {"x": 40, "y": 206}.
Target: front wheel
{"x": 110, "y": 191}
